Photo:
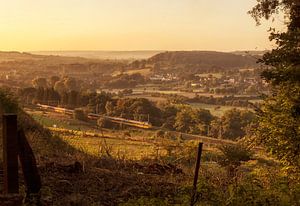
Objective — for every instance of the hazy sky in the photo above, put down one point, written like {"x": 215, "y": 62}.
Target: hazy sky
{"x": 223, "y": 25}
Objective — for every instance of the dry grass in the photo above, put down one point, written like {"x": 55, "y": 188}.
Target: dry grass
{"x": 128, "y": 148}
{"x": 117, "y": 169}
{"x": 108, "y": 177}
{"x": 102, "y": 186}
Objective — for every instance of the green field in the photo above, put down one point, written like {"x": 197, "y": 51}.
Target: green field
{"x": 134, "y": 146}
{"x": 151, "y": 98}
{"x": 121, "y": 148}
{"x": 215, "y": 110}
{"x": 49, "y": 119}
{"x": 131, "y": 144}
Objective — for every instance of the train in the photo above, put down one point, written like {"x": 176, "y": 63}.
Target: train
{"x": 56, "y": 109}
{"x": 134, "y": 123}
{"x": 93, "y": 116}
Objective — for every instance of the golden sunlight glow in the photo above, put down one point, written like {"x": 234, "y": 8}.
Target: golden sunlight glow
{"x": 28, "y": 25}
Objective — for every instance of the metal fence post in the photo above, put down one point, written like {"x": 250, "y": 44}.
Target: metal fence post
{"x": 200, "y": 146}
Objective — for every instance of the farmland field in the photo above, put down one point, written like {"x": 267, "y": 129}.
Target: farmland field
{"x": 151, "y": 98}
{"x": 133, "y": 144}
{"x": 217, "y": 75}
{"x": 52, "y": 119}
{"x": 215, "y": 110}
{"x": 76, "y": 134}
{"x": 153, "y": 89}
{"x": 120, "y": 148}
{"x": 144, "y": 72}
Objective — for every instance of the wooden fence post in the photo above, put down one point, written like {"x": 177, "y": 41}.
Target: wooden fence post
{"x": 200, "y": 146}
{"x": 10, "y": 154}
{"x": 30, "y": 171}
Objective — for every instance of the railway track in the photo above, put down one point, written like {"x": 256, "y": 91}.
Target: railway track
{"x": 139, "y": 124}
{"x": 93, "y": 116}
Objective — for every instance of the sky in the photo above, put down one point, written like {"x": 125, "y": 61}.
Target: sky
{"x": 53, "y": 25}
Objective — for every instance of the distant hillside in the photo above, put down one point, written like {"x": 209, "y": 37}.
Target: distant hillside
{"x": 17, "y": 56}
{"x": 47, "y": 65}
{"x": 200, "y": 60}
{"x": 118, "y": 55}
{"x": 10, "y": 56}
{"x": 248, "y": 53}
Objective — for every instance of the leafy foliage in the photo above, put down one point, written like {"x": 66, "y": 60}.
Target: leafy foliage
{"x": 279, "y": 118}
{"x": 125, "y": 81}
{"x": 79, "y": 114}
{"x": 137, "y": 109}
{"x": 233, "y": 124}
{"x": 233, "y": 155}
{"x": 8, "y": 103}
{"x": 104, "y": 123}
{"x": 279, "y": 125}
{"x": 193, "y": 121}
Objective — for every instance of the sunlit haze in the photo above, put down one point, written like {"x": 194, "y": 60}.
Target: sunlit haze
{"x": 32, "y": 25}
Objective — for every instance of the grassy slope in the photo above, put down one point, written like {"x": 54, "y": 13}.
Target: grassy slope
{"x": 113, "y": 177}
{"x": 111, "y": 180}
{"x": 106, "y": 180}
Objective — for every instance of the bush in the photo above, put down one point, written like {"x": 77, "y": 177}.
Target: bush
{"x": 232, "y": 157}
{"x": 79, "y": 114}
{"x": 8, "y": 103}
{"x": 160, "y": 134}
{"x": 105, "y": 123}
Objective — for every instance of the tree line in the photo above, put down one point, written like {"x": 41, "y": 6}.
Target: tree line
{"x": 172, "y": 115}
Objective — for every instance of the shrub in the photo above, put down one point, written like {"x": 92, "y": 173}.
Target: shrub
{"x": 79, "y": 114}
{"x": 8, "y": 104}
{"x": 232, "y": 157}
{"x": 160, "y": 134}
{"x": 104, "y": 123}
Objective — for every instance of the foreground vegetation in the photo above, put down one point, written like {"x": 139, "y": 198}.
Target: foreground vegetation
{"x": 229, "y": 174}
{"x": 110, "y": 175}
{"x": 224, "y": 179}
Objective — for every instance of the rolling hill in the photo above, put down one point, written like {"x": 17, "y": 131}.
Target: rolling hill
{"x": 200, "y": 60}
